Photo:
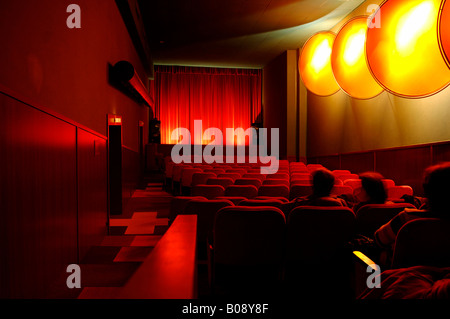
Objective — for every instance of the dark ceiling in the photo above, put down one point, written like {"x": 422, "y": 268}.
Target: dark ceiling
{"x": 234, "y": 33}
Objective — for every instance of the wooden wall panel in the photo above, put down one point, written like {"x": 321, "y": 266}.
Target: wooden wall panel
{"x": 441, "y": 152}
{"x": 92, "y": 190}
{"x": 404, "y": 165}
{"x": 331, "y": 162}
{"x": 358, "y": 162}
{"x": 39, "y": 203}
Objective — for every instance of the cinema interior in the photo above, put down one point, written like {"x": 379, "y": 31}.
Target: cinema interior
{"x": 203, "y": 150}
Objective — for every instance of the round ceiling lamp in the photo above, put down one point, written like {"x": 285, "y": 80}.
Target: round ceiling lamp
{"x": 403, "y": 54}
{"x": 315, "y": 64}
{"x": 444, "y": 30}
{"x": 348, "y": 60}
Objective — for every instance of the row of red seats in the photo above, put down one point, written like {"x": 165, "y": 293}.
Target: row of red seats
{"x": 248, "y": 231}
{"x": 292, "y": 180}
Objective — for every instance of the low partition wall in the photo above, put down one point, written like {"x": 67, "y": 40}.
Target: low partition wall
{"x": 405, "y": 165}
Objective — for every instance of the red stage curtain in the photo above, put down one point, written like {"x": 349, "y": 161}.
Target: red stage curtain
{"x": 222, "y": 98}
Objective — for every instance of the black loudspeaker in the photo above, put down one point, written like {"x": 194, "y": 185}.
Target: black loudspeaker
{"x": 155, "y": 132}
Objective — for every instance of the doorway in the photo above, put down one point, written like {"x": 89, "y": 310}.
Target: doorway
{"x": 115, "y": 164}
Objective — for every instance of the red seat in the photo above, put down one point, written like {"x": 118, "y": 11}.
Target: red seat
{"x": 248, "y": 250}
{"x": 248, "y": 181}
{"x": 186, "y": 175}
{"x": 225, "y": 181}
{"x": 342, "y": 190}
{"x": 276, "y": 182}
{"x": 233, "y": 176}
{"x": 206, "y": 212}
{"x": 247, "y": 191}
{"x": 178, "y": 203}
{"x": 235, "y": 199}
{"x": 353, "y": 183}
{"x": 396, "y": 192}
{"x": 300, "y": 191}
{"x": 278, "y": 176}
{"x": 201, "y": 178}
{"x": 370, "y": 217}
{"x": 208, "y": 191}
{"x": 258, "y": 176}
{"x": 274, "y": 190}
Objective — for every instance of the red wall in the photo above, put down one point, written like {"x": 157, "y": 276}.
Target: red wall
{"x": 405, "y": 165}
{"x": 55, "y": 95}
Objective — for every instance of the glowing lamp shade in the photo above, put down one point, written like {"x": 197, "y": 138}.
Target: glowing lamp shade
{"x": 315, "y": 64}
{"x": 348, "y": 60}
{"x": 403, "y": 54}
{"x": 444, "y": 30}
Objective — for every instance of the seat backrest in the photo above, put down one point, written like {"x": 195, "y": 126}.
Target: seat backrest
{"x": 216, "y": 171}
{"x": 239, "y": 171}
{"x": 274, "y": 190}
{"x": 396, "y": 192}
{"x": 208, "y": 191}
{"x": 424, "y": 241}
{"x": 316, "y": 235}
{"x": 370, "y": 217}
{"x": 262, "y": 202}
{"x": 186, "y": 175}
{"x": 249, "y": 236}
{"x": 176, "y": 171}
{"x": 339, "y": 172}
{"x": 248, "y": 181}
{"x": 342, "y": 190}
{"x": 388, "y": 182}
{"x": 201, "y": 178}
{"x": 233, "y": 176}
{"x": 178, "y": 203}
{"x": 223, "y": 181}
{"x": 279, "y": 175}
{"x": 247, "y": 191}
{"x": 353, "y": 183}
{"x": 300, "y": 191}
{"x": 261, "y": 177}
{"x": 206, "y": 211}
{"x": 344, "y": 177}
{"x": 235, "y": 199}
{"x": 276, "y": 181}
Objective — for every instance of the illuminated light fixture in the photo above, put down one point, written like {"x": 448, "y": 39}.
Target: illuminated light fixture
{"x": 315, "y": 66}
{"x": 114, "y": 119}
{"x": 444, "y": 30}
{"x": 403, "y": 54}
{"x": 348, "y": 60}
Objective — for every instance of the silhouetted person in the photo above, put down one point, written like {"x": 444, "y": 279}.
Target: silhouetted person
{"x": 436, "y": 185}
{"x": 372, "y": 191}
{"x": 322, "y": 184}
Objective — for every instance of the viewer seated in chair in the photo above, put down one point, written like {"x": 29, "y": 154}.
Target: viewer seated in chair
{"x": 322, "y": 184}
{"x": 372, "y": 190}
{"x": 436, "y": 186}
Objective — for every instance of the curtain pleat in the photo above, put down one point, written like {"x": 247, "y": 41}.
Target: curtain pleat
{"x": 220, "y": 97}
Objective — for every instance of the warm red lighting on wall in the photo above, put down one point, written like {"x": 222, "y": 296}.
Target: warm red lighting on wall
{"x": 315, "y": 64}
{"x": 348, "y": 60}
{"x": 403, "y": 54}
{"x": 444, "y": 30}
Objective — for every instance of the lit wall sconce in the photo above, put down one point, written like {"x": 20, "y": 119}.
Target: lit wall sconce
{"x": 315, "y": 65}
{"x": 404, "y": 54}
{"x": 444, "y": 30}
{"x": 126, "y": 74}
{"x": 114, "y": 119}
{"x": 348, "y": 60}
